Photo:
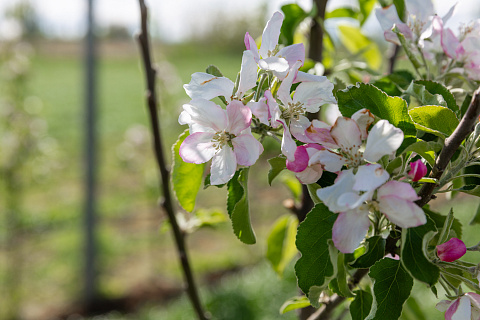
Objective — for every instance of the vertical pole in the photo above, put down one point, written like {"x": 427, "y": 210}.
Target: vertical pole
{"x": 90, "y": 160}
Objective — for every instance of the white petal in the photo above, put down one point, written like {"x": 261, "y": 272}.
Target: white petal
{"x": 311, "y": 174}
{"x": 329, "y": 195}
{"x": 224, "y": 165}
{"x": 314, "y": 94}
{"x": 422, "y": 10}
{"x": 207, "y": 86}
{"x": 364, "y": 118}
{"x": 401, "y": 212}
{"x": 383, "y": 139}
{"x": 352, "y": 200}
{"x": 247, "y": 149}
{"x": 370, "y": 177}
{"x": 293, "y": 53}
{"x": 319, "y": 132}
{"x": 298, "y": 128}
{"x": 260, "y": 110}
{"x": 350, "y": 229}
{"x": 197, "y": 148}
{"x": 330, "y": 160}
{"x": 283, "y": 92}
{"x": 288, "y": 144}
{"x": 270, "y": 34}
{"x": 251, "y": 46}
{"x": 464, "y": 309}
{"x": 205, "y": 116}
{"x": 443, "y": 305}
{"x": 347, "y": 135}
{"x": 248, "y": 73}
{"x": 239, "y": 117}
{"x": 398, "y": 189}
{"x": 275, "y": 64}
{"x": 273, "y": 110}
{"x": 308, "y": 77}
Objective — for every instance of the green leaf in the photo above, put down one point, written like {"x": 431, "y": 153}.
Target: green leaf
{"x": 293, "y": 185}
{"x": 393, "y": 109}
{"x": 471, "y": 189}
{"x": 214, "y": 71}
{"x": 366, "y": 7}
{"x": 345, "y": 12}
{"x": 186, "y": 177}
{"x": 204, "y": 218}
{"x": 356, "y": 42}
{"x": 206, "y": 183}
{"x": 424, "y": 149}
{"x": 281, "y": 247}
{"x": 375, "y": 250}
{"x": 401, "y": 9}
{"x": 424, "y": 97}
{"x": 476, "y": 217}
{"x": 312, "y": 191}
{"x": 414, "y": 255}
{"x": 395, "y": 83}
{"x": 238, "y": 207}
{"x": 438, "y": 88}
{"x": 277, "y": 165}
{"x": 440, "y": 219}
{"x": 342, "y": 276}
{"x": 361, "y": 305}
{"x": 437, "y": 120}
{"x": 294, "y": 304}
{"x": 294, "y": 15}
{"x": 391, "y": 288}
{"x": 314, "y": 268}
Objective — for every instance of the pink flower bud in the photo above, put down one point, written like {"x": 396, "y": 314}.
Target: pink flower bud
{"x": 451, "y": 250}
{"x": 418, "y": 170}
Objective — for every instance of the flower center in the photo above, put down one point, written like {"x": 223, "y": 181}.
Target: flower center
{"x": 353, "y": 156}
{"x": 222, "y": 138}
{"x": 272, "y": 53}
{"x": 293, "y": 111}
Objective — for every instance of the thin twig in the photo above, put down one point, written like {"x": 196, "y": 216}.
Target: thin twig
{"x": 452, "y": 143}
{"x": 167, "y": 204}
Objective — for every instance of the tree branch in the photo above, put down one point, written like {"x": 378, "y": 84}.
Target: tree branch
{"x": 452, "y": 143}
{"x": 167, "y": 204}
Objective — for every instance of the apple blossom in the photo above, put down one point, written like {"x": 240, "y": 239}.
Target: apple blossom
{"x": 270, "y": 57}
{"x": 306, "y": 172}
{"x": 466, "y": 307}
{"x": 221, "y": 135}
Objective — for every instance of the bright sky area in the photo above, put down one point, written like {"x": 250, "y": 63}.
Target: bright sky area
{"x": 175, "y": 19}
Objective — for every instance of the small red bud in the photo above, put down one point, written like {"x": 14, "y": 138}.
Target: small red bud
{"x": 451, "y": 250}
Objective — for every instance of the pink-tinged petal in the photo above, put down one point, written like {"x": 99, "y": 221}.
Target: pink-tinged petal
{"x": 260, "y": 110}
{"x": 288, "y": 144}
{"x": 383, "y": 139}
{"x": 418, "y": 170}
{"x": 251, "y": 46}
{"x": 475, "y": 302}
{"x": 293, "y": 53}
{"x": 330, "y": 160}
{"x": 364, "y": 118}
{"x": 451, "y": 250}
{"x": 404, "y": 213}
{"x": 307, "y": 77}
{"x": 311, "y": 174}
{"x": 283, "y": 92}
{"x": 319, "y": 132}
{"x": 247, "y": 149}
{"x": 301, "y": 160}
{"x": 298, "y": 128}
{"x": 369, "y": 177}
{"x": 387, "y": 17}
{"x": 394, "y": 257}
{"x": 329, "y": 195}
{"x": 205, "y": 116}
{"x": 422, "y": 10}
{"x": 314, "y": 94}
{"x": 391, "y": 37}
{"x": 197, "y": 148}
{"x": 443, "y": 305}
{"x": 224, "y": 165}
{"x": 398, "y": 189}
{"x": 352, "y": 200}
{"x": 207, "y": 86}
{"x": 450, "y": 43}
{"x": 350, "y": 229}
{"x": 274, "y": 112}
{"x": 347, "y": 135}
{"x": 275, "y": 64}
{"x": 270, "y": 34}
{"x": 248, "y": 73}
{"x": 239, "y": 117}
{"x": 460, "y": 309}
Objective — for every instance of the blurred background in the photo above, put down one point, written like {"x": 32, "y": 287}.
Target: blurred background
{"x": 42, "y": 163}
